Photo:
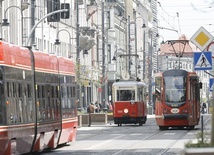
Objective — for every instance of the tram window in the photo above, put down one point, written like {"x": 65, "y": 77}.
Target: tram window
{"x": 43, "y": 91}
{"x": 140, "y": 94}
{"x": 57, "y": 93}
{"x": 13, "y": 89}
{"x": 62, "y": 92}
{"x": 38, "y": 88}
{"x": 175, "y": 88}
{"x": 68, "y": 92}
{"x": 73, "y": 91}
{"x": 20, "y": 90}
{"x": 125, "y": 95}
{"x": 8, "y": 89}
{"x": 29, "y": 90}
{"x": 49, "y": 91}
{"x": 52, "y": 92}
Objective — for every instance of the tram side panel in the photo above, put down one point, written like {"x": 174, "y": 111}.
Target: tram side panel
{"x": 17, "y": 117}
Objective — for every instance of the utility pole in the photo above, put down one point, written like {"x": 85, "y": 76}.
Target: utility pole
{"x": 103, "y": 58}
{"x": 144, "y": 55}
{"x": 150, "y": 72}
{"x": 78, "y": 86}
{"x": 32, "y": 22}
{"x": 129, "y": 46}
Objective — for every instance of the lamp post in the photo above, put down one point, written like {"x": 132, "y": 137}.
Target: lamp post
{"x": 162, "y": 42}
{"x": 150, "y": 71}
{"x": 143, "y": 26}
{"x": 144, "y": 50}
{"x": 6, "y": 23}
{"x": 104, "y": 96}
{"x": 57, "y": 42}
{"x": 78, "y": 86}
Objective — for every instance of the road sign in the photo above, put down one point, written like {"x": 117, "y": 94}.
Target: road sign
{"x": 202, "y": 38}
{"x": 203, "y": 60}
{"x": 211, "y": 84}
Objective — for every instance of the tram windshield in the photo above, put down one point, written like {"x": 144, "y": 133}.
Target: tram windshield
{"x": 175, "y": 88}
{"x": 125, "y": 95}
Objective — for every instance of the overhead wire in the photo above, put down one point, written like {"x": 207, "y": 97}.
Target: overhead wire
{"x": 173, "y": 17}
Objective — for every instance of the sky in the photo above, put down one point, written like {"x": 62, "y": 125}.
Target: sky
{"x": 185, "y": 17}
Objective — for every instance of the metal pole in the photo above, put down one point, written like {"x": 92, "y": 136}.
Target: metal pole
{"x": 78, "y": 86}
{"x": 21, "y": 19}
{"x": 34, "y": 27}
{"x": 135, "y": 32}
{"x": 33, "y": 89}
{"x": 32, "y": 21}
{"x": 150, "y": 72}
{"x": 157, "y": 60}
{"x": 144, "y": 55}
{"x": 167, "y": 67}
{"x": 98, "y": 64}
{"x": 57, "y": 37}
{"x": 129, "y": 45}
{"x": 103, "y": 57}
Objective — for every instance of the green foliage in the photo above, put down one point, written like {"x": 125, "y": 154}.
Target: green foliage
{"x": 201, "y": 141}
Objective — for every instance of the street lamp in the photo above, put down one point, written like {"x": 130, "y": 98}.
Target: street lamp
{"x": 158, "y": 36}
{"x": 143, "y": 26}
{"x": 104, "y": 87}
{"x": 6, "y": 23}
{"x": 135, "y": 30}
{"x": 78, "y": 86}
{"x": 57, "y": 42}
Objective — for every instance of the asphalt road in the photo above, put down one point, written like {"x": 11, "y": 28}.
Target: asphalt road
{"x": 110, "y": 139}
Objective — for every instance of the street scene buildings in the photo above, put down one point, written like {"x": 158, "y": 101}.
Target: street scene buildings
{"x": 107, "y": 39}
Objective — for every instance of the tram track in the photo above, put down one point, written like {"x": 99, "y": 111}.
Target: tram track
{"x": 134, "y": 140}
{"x": 136, "y": 143}
{"x": 163, "y": 151}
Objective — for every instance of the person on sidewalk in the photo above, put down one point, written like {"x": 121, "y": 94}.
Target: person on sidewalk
{"x": 90, "y": 110}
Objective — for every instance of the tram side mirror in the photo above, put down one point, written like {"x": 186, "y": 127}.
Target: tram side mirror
{"x": 200, "y": 85}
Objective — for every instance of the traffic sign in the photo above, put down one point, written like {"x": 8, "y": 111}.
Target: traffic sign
{"x": 202, "y": 38}
{"x": 211, "y": 84}
{"x": 203, "y": 60}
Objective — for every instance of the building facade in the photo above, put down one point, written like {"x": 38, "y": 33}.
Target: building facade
{"x": 121, "y": 29}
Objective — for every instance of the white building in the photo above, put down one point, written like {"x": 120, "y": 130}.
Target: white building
{"x": 104, "y": 32}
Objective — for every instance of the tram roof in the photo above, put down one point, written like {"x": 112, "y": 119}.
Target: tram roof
{"x": 129, "y": 83}
{"x": 17, "y": 56}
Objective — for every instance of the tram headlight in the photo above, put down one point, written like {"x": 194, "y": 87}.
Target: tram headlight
{"x": 126, "y": 111}
{"x": 132, "y": 101}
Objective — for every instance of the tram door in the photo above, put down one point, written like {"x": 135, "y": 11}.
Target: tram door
{"x": 193, "y": 98}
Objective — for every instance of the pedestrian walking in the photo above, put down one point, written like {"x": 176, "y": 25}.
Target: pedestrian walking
{"x": 90, "y": 110}
{"x": 203, "y": 108}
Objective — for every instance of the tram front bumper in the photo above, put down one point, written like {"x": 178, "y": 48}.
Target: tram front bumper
{"x": 127, "y": 120}
{"x": 175, "y": 116}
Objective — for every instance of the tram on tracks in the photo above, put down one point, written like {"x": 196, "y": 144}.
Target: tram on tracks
{"x": 177, "y": 99}
{"x": 129, "y": 102}
{"x": 37, "y": 100}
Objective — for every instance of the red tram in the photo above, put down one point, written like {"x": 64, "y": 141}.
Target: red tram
{"x": 37, "y": 100}
{"x": 129, "y": 104}
{"x": 177, "y": 99}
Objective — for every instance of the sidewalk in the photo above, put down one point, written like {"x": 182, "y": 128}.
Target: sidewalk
{"x": 101, "y": 125}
